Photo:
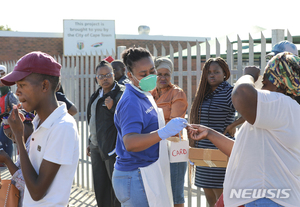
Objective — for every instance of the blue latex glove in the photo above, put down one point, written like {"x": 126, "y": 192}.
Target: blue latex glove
{"x": 172, "y": 128}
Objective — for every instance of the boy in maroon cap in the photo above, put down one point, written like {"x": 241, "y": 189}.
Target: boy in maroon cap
{"x": 49, "y": 168}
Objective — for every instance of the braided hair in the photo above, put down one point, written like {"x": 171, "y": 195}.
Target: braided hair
{"x": 204, "y": 88}
{"x": 104, "y": 63}
{"x": 134, "y": 54}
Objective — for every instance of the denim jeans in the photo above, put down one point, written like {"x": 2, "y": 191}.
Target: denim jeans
{"x": 6, "y": 143}
{"x": 263, "y": 202}
{"x": 129, "y": 188}
{"x": 102, "y": 175}
{"x": 178, "y": 170}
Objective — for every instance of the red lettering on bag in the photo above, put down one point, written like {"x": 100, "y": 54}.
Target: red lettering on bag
{"x": 179, "y": 152}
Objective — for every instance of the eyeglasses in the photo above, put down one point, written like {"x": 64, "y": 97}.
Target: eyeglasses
{"x": 100, "y": 77}
{"x": 161, "y": 75}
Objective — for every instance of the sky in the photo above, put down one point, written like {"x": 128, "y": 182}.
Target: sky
{"x": 196, "y": 18}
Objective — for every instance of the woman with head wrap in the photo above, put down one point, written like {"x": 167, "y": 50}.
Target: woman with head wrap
{"x": 213, "y": 108}
{"x": 263, "y": 168}
{"x": 172, "y": 100}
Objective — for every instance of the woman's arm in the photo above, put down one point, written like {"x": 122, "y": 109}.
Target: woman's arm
{"x": 179, "y": 105}
{"x": 232, "y": 127}
{"x": 72, "y": 110}
{"x": 138, "y": 142}
{"x": 223, "y": 143}
{"x": 135, "y": 142}
{"x": 4, "y": 158}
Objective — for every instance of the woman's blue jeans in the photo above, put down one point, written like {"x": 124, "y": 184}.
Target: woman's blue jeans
{"x": 263, "y": 202}
{"x": 129, "y": 188}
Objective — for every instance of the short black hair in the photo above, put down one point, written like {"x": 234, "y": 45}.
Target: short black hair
{"x": 118, "y": 63}
{"x": 54, "y": 80}
{"x": 134, "y": 54}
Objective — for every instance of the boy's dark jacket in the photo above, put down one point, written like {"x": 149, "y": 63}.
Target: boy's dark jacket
{"x": 105, "y": 127}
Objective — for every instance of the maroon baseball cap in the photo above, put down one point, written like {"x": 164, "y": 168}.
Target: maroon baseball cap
{"x": 34, "y": 62}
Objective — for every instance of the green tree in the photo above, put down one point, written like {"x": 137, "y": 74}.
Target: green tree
{"x": 5, "y": 28}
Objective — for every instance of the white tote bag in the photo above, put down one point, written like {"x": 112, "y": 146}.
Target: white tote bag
{"x": 178, "y": 149}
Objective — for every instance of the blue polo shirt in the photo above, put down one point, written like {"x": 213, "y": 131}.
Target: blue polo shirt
{"x": 134, "y": 114}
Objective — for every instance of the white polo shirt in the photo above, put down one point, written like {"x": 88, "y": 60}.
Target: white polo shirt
{"x": 265, "y": 159}
{"x": 55, "y": 140}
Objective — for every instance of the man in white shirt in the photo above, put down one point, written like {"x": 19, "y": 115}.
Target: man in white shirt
{"x": 49, "y": 168}
{"x": 263, "y": 168}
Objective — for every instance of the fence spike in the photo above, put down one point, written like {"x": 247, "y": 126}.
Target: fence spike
{"x": 251, "y": 50}
{"x": 218, "y": 50}
{"x": 263, "y": 52}
{"x": 154, "y": 51}
{"x": 163, "y": 50}
{"x": 289, "y": 36}
{"x": 207, "y": 49}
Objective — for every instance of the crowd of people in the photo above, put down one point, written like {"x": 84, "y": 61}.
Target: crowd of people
{"x": 132, "y": 115}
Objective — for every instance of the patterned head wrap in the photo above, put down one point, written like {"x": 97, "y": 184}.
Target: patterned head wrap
{"x": 284, "y": 70}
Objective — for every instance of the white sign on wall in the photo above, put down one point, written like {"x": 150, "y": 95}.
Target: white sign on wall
{"x": 89, "y": 36}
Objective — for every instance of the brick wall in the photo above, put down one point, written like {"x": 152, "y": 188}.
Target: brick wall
{"x": 12, "y": 48}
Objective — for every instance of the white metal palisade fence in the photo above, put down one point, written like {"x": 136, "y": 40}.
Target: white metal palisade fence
{"x": 78, "y": 81}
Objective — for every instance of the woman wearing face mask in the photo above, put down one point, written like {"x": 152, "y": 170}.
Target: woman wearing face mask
{"x": 142, "y": 171}
{"x": 172, "y": 100}
{"x": 213, "y": 108}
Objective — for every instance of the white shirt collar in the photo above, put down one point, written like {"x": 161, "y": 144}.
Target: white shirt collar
{"x": 58, "y": 112}
{"x": 101, "y": 90}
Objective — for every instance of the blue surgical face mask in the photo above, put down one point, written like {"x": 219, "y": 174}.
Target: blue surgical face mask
{"x": 148, "y": 83}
